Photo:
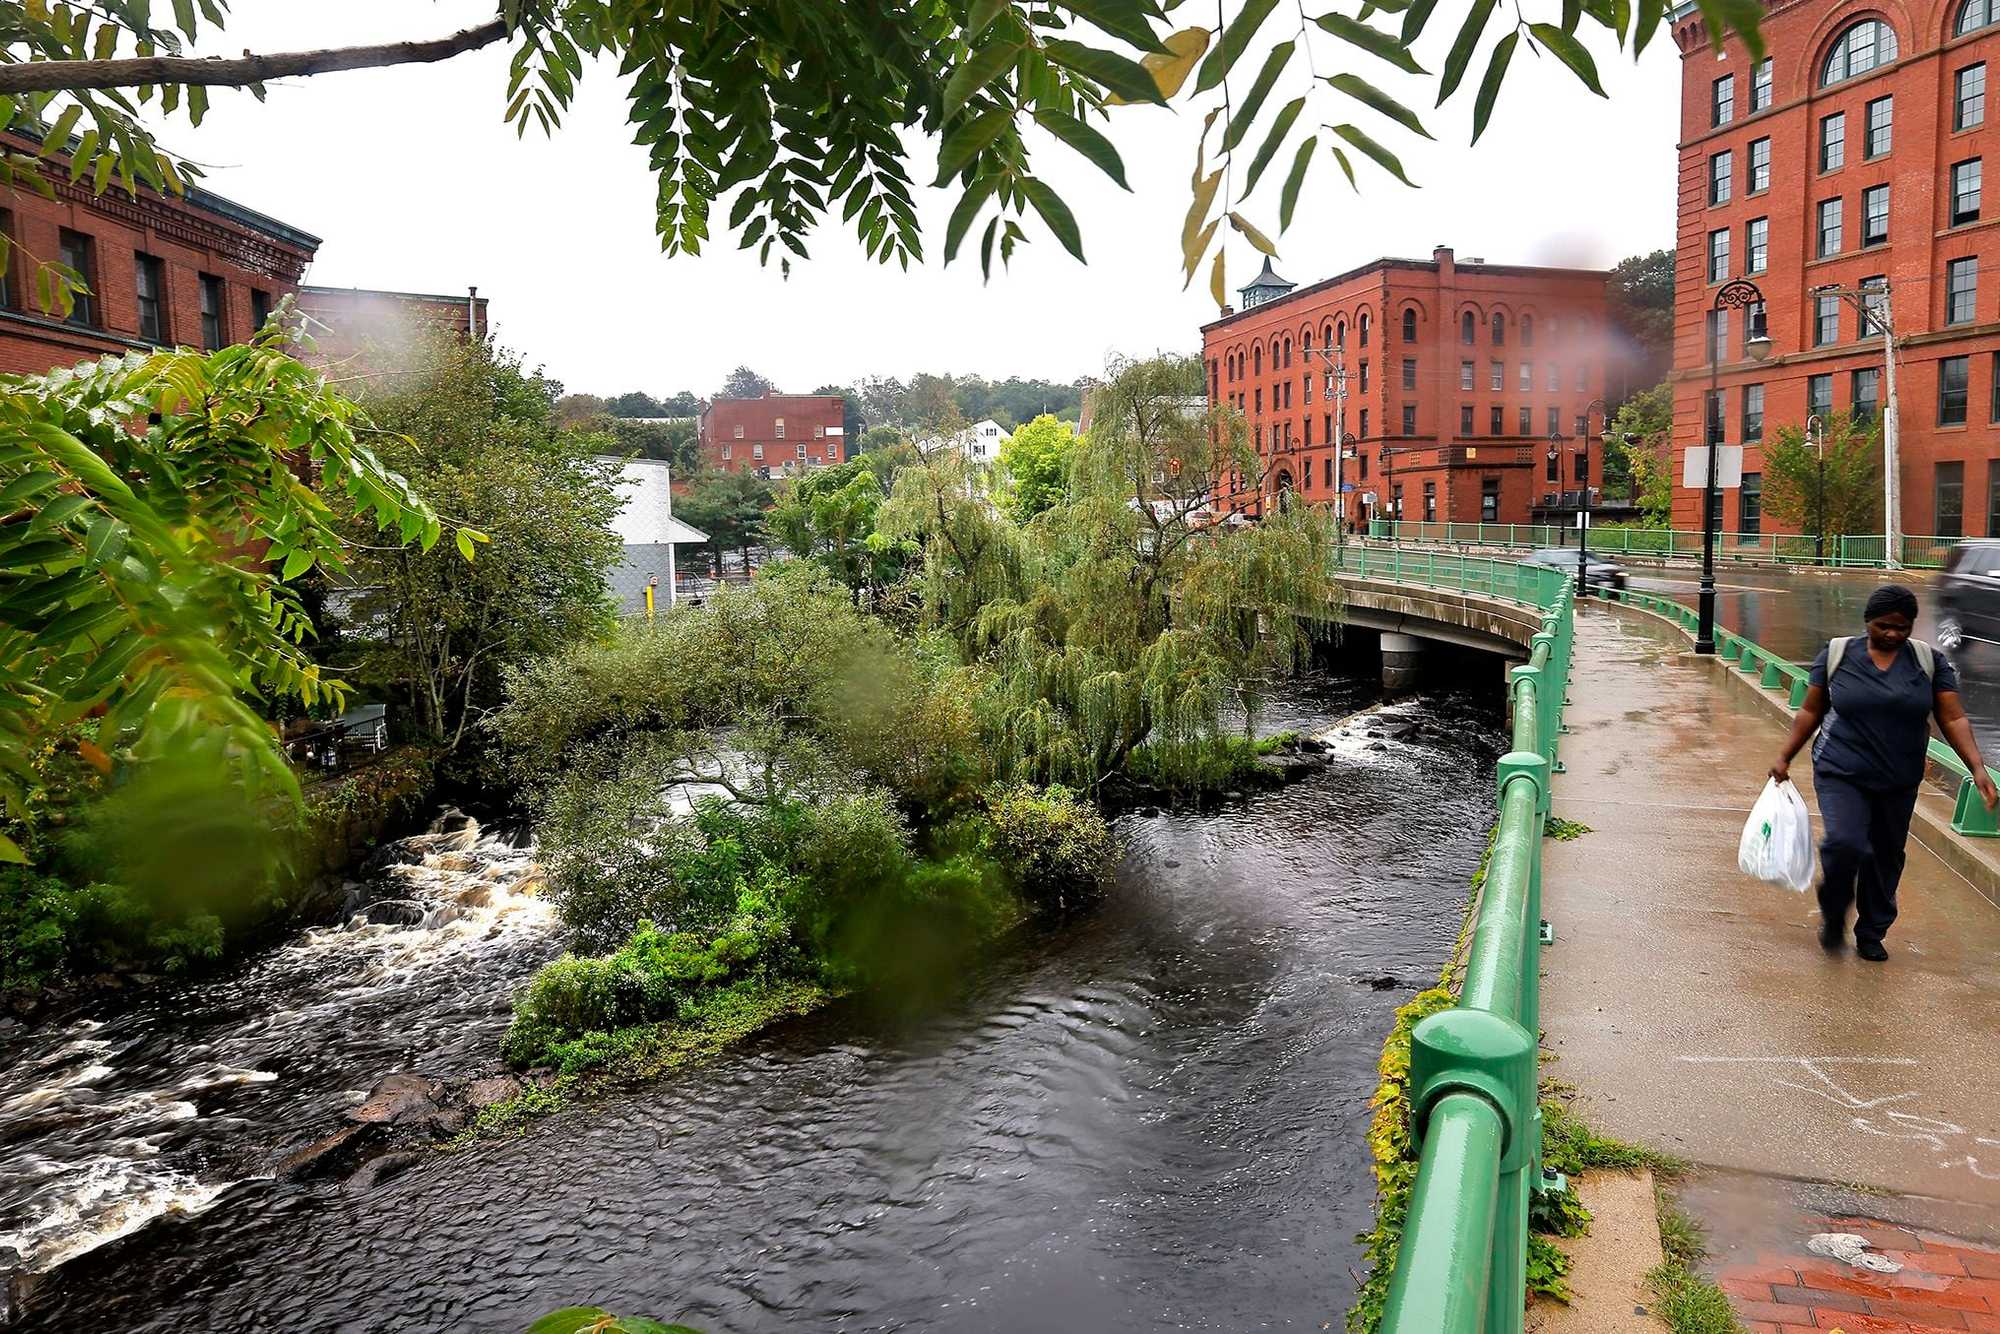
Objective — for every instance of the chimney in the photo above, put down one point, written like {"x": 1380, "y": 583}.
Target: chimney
{"x": 1228, "y": 310}
{"x": 472, "y": 312}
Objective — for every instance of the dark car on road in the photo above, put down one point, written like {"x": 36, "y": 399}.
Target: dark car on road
{"x": 1968, "y": 597}
{"x": 1599, "y": 574}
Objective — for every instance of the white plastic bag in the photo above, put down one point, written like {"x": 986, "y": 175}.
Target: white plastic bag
{"x": 1777, "y": 843}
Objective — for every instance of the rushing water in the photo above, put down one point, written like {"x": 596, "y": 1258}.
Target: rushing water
{"x": 1150, "y": 1117}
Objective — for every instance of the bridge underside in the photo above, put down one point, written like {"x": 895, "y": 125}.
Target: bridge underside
{"x": 1471, "y": 620}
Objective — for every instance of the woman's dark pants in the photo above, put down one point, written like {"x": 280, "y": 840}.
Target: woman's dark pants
{"x": 1862, "y": 852}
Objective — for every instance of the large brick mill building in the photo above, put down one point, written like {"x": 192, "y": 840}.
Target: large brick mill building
{"x": 1458, "y": 374}
{"x": 1851, "y": 158}
{"x": 778, "y": 435}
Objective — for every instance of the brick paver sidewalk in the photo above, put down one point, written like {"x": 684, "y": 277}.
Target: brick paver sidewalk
{"x": 1941, "y": 1283}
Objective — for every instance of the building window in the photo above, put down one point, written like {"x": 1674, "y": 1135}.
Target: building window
{"x": 212, "y": 330}
{"x": 1720, "y": 169}
{"x": 1760, "y": 166}
{"x": 1582, "y": 456}
{"x": 1409, "y": 326}
{"x": 1364, "y": 436}
{"x": 1722, "y": 100}
{"x": 1961, "y": 290}
{"x": 1750, "y": 505}
{"x": 728, "y": 452}
{"x": 1430, "y": 502}
{"x": 1409, "y": 419}
{"x": 1865, "y": 393}
{"x": 1527, "y": 331}
{"x": 1489, "y": 500}
{"x": 1409, "y": 372}
{"x": 1496, "y": 376}
{"x": 1583, "y": 378}
{"x": 1364, "y": 328}
{"x": 1866, "y": 45}
{"x": 75, "y": 251}
{"x": 1259, "y": 398}
{"x": 1553, "y": 472}
{"x": 739, "y": 433}
{"x": 1968, "y": 100}
{"x": 819, "y": 433}
{"x": 1875, "y": 296}
{"x": 1875, "y": 215}
{"x": 1718, "y": 333}
{"x": 6, "y": 276}
{"x": 1465, "y": 419}
{"x": 1829, "y": 227}
{"x": 1760, "y": 85}
{"x": 1965, "y": 181}
{"x": 1993, "y": 409}
{"x": 1527, "y": 377}
{"x": 1496, "y": 422}
{"x": 1718, "y": 254}
{"x": 1977, "y": 14}
{"x": 1879, "y": 135}
{"x": 1465, "y": 375}
{"x": 1466, "y": 328}
{"x": 1753, "y": 324}
{"x": 1819, "y": 394}
{"x": 1832, "y": 141}
{"x": 1756, "y": 245}
{"x": 149, "y": 282}
{"x": 1555, "y": 380}
{"x": 1711, "y": 414}
{"x": 1954, "y": 375}
{"x": 1753, "y": 412}
{"x": 779, "y": 426}
{"x": 1364, "y": 375}
{"x": 757, "y": 453}
{"x": 1528, "y": 416}
{"x": 1948, "y": 499}
{"x": 1499, "y": 329}
{"x": 1555, "y": 421}
{"x": 1328, "y": 462}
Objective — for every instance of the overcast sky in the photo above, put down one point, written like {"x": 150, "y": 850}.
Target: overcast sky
{"x": 415, "y": 184}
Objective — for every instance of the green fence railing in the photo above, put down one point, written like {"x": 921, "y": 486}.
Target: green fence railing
{"x": 1913, "y": 551}
{"x": 1474, "y": 1072}
{"x": 1970, "y": 818}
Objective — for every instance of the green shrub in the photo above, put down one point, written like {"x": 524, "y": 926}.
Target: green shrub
{"x": 1057, "y": 849}
{"x": 38, "y": 916}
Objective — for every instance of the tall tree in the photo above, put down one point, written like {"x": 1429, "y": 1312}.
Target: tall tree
{"x": 852, "y": 422}
{"x": 675, "y": 441}
{"x": 1833, "y": 495}
{"x": 636, "y": 404}
{"x": 1642, "y": 308}
{"x": 730, "y": 508}
{"x": 828, "y": 516}
{"x": 1639, "y": 458}
{"x": 1037, "y": 459}
{"x": 746, "y": 383}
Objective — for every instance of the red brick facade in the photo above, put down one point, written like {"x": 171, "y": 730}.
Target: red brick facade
{"x": 778, "y": 435}
{"x": 218, "y": 268}
{"x": 1900, "y": 133}
{"x": 1454, "y": 444}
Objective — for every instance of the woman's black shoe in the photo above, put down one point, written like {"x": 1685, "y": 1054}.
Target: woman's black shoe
{"x": 1871, "y": 950}
{"x": 1832, "y": 933}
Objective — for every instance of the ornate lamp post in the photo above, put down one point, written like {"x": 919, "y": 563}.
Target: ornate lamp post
{"x": 1739, "y": 294}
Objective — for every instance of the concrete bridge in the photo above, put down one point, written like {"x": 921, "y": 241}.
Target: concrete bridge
{"x": 1693, "y": 1009}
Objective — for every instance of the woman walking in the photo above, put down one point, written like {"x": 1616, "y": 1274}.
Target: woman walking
{"x": 1872, "y": 699}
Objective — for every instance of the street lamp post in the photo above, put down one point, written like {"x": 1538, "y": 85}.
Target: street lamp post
{"x": 1816, "y": 439}
{"x": 1556, "y": 441}
{"x": 1739, "y": 294}
{"x": 1387, "y": 458}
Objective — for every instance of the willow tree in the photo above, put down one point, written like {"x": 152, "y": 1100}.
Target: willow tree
{"x": 1133, "y": 613}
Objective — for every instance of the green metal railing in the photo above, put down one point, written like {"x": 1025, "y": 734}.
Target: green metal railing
{"x": 1914, "y": 552}
{"x": 1462, "y": 1264}
{"x": 1970, "y": 818}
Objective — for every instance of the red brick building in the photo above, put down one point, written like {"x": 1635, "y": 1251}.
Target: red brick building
{"x": 1852, "y": 157}
{"x": 349, "y": 321}
{"x": 778, "y": 435}
{"x": 1457, "y": 376}
{"x": 199, "y": 271}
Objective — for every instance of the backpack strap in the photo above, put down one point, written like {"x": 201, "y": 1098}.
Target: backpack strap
{"x": 1926, "y": 657}
{"x": 1836, "y": 649}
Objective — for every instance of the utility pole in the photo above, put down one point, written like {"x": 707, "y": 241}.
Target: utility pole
{"x": 1873, "y": 304}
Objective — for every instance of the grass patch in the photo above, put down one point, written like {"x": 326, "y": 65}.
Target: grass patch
{"x": 1563, "y": 831}
{"x": 1687, "y": 1300}
{"x": 1277, "y": 741}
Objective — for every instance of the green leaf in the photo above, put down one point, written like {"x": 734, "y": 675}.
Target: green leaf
{"x": 1384, "y": 159}
{"x": 59, "y": 133}
{"x": 1121, "y": 18}
{"x": 1572, "y": 14}
{"x": 57, "y": 513}
{"x": 1204, "y": 199}
{"x": 79, "y": 623}
{"x": 1289, "y": 197}
{"x": 10, "y": 851}
{"x": 984, "y": 66}
{"x": 27, "y": 486}
{"x": 1128, "y": 78}
{"x": 1218, "y": 286}
{"x": 464, "y": 541}
{"x": 1251, "y": 234}
{"x": 1741, "y": 17}
{"x": 1489, "y": 87}
{"x": 1414, "y": 19}
{"x": 1369, "y": 95}
{"x": 105, "y": 541}
{"x": 1235, "y": 40}
{"x": 968, "y": 139}
{"x": 1055, "y": 213}
{"x": 1462, "y": 48}
{"x": 1372, "y": 40}
{"x": 1646, "y": 23}
{"x": 1244, "y": 114}
{"x": 1085, "y": 140}
{"x": 1570, "y": 51}
{"x": 1280, "y": 127}
{"x": 969, "y": 204}
{"x": 1346, "y": 166}
{"x": 296, "y": 564}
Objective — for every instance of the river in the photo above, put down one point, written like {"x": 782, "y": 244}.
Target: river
{"x": 1148, "y": 1117}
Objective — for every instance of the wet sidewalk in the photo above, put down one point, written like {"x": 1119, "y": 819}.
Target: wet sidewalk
{"x": 1694, "y": 1011}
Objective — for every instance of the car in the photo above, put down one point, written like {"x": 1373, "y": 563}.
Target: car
{"x": 1598, "y": 574}
{"x": 1968, "y": 596}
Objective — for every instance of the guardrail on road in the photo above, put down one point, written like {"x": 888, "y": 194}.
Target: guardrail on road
{"x": 1858, "y": 551}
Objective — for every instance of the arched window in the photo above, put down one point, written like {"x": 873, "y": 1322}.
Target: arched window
{"x": 1527, "y": 331}
{"x": 1340, "y": 333}
{"x": 1862, "y": 47}
{"x": 1410, "y": 326}
{"x": 1257, "y": 359}
{"x": 1306, "y": 340}
{"x": 1288, "y": 352}
{"x": 1326, "y": 335}
{"x": 1364, "y": 328}
{"x": 1977, "y": 14}
{"x": 1466, "y": 326}
{"x": 1499, "y": 328}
